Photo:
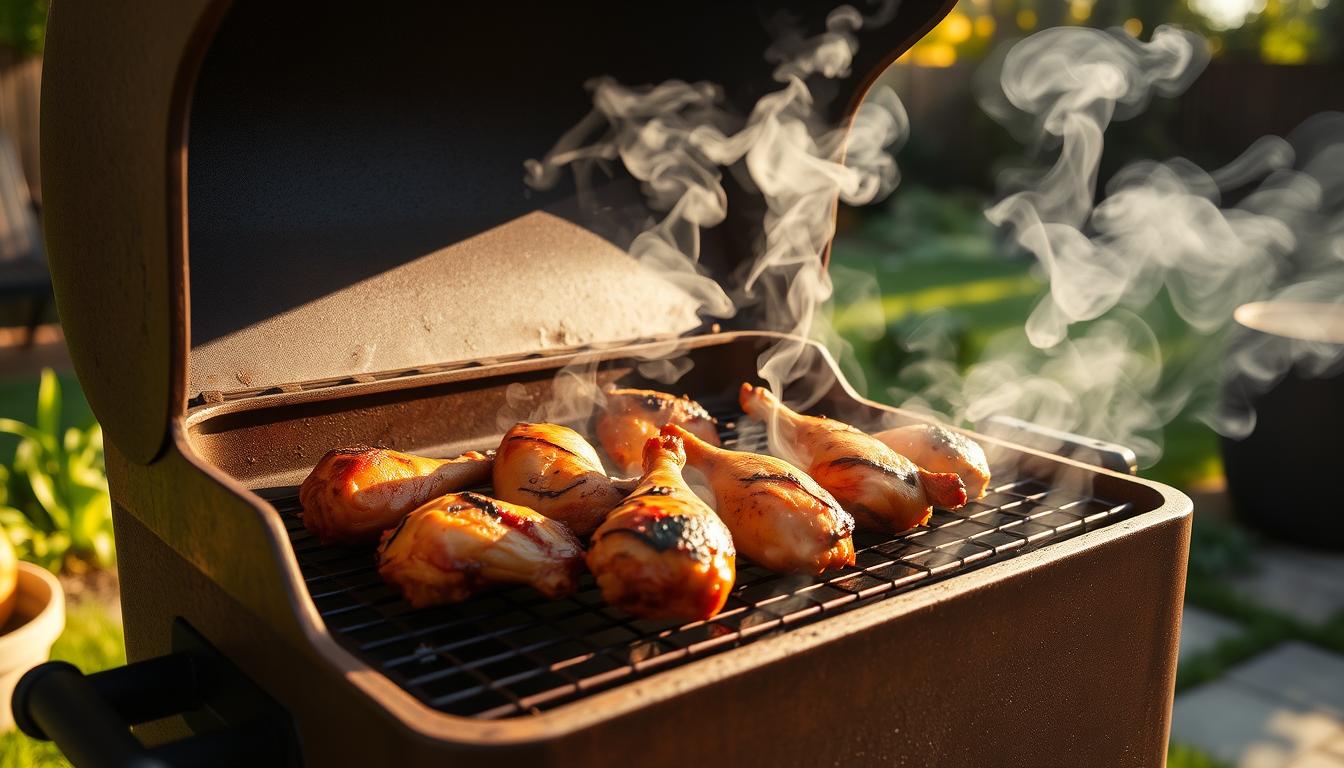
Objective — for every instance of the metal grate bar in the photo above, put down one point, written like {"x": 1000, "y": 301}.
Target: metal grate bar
{"x": 513, "y": 652}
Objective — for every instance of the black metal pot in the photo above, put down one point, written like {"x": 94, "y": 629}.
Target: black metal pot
{"x": 1281, "y": 477}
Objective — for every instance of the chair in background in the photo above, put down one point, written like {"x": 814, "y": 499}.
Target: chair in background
{"x": 23, "y": 267}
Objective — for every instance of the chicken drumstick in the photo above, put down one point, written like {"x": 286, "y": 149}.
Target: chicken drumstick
{"x": 458, "y": 544}
{"x": 664, "y": 554}
{"x": 779, "y": 517}
{"x": 354, "y": 494}
{"x": 554, "y": 471}
{"x": 632, "y": 416}
{"x": 884, "y": 490}
{"x": 939, "y": 449}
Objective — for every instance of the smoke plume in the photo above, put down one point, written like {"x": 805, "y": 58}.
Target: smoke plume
{"x": 678, "y": 139}
{"x": 1087, "y": 362}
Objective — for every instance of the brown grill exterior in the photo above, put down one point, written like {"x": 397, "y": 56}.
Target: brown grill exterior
{"x": 1037, "y": 626}
{"x": 1039, "y": 621}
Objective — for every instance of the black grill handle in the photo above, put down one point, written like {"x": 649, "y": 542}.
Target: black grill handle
{"x": 1100, "y": 453}
{"x": 90, "y": 716}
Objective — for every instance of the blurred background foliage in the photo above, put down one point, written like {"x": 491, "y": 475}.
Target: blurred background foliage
{"x": 54, "y": 503}
{"x": 927, "y": 258}
{"x": 23, "y": 25}
{"x": 1269, "y": 31}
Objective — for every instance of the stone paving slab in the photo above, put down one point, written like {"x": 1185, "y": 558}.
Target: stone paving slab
{"x": 1248, "y": 729}
{"x": 1300, "y": 673}
{"x": 1318, "y": 760}
{"x": 1202, "y": 630}
{"x": 1301, "y": 583}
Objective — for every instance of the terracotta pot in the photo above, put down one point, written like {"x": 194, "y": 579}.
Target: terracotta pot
{"x": 25, "y": 640}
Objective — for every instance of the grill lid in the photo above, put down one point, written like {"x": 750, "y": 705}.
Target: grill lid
{"x": 318, "y": 156}
{"x": 535, "y": 283}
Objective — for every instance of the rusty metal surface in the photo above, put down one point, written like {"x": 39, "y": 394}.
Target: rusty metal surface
{"x": 997, "y": 648}
{"x": 1065, "y": 659}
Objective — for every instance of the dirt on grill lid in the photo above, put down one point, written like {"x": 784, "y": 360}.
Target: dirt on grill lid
{"x": 535, "y": 283}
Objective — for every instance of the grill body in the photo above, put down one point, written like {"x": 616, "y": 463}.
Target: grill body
{"x": 1057, "y": 651}
{"x": 1047, "y": 639}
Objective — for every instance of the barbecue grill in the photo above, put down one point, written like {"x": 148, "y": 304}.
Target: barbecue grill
{"x": 278, "y": 230}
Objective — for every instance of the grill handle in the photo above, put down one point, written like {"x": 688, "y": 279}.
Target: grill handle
{"x": 89, "y": 716}
{"x": 1112, "y": 456}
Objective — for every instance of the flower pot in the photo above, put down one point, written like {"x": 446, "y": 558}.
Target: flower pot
{"x": 25, "y": 640}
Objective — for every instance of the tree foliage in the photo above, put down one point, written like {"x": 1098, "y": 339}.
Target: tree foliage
{"x": 23, "y": 25}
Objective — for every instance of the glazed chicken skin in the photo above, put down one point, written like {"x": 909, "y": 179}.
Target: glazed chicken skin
{"x": 459, "y": 544}
{"x": 779, "y": 517}
{"x": 553, "y": 470}
{"x": 632, "y": 416}
{"x": 354, "y": 494}
{"x": 882, "y": 489}
{"x": 939, "y": 449}
{"x": 663, "y": 553}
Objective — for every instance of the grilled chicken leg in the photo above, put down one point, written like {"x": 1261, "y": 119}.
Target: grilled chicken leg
{"x": 664, "y": 554}
{"x": 939, "y": 449}
{"x": 354, "y": 494}
{"x": 458, "y": 544}
{"x": 632, "y": 416}
{"x": 779, "y": 516}
{"x": 884, "y": 490}
{"x": 554, "y": 471}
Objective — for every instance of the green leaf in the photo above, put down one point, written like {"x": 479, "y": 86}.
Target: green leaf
{"x": 54, "y": 502}
{"x": 14, "y": 525}
{"x": 104, "y": 549}
{"x": 44, "y": 489}
{"x": 20, "y": 429}
{"x": 49, "y": 407}
{"x": 74, "y": 440}
{"x": 93, "y": 513}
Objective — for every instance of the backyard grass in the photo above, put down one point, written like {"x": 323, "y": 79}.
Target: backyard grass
{"x": 985, "y": 296}
{"x": 1181, "y": 756}
{"x": 1262, "y": 629}
{"x": 92, "y": 640}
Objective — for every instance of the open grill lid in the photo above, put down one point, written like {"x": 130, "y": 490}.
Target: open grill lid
{"x": 276, "y": 193}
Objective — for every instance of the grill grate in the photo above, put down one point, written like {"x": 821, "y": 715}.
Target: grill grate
{"x": 514, "y": 652}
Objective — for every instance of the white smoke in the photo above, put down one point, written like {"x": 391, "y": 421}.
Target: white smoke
{"x": 1072, "y": 81}
{"x": 1092, "y": 365}
{"x": 677, "y": 139}
{"x": 1086, "y": 362}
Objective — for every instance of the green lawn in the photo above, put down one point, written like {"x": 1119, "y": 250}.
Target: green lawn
{"x": 953, "y": 272}
{"x": 92, "y": 640}
{"x": 1181, "y": 756}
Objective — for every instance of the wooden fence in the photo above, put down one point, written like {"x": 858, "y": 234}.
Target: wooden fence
{"x": 1228, "y": 107}
{"x": 20, "y": 89}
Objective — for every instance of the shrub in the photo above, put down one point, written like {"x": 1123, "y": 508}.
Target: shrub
{"x": 54, "y": 503}
{"x": 23, "y": 25}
